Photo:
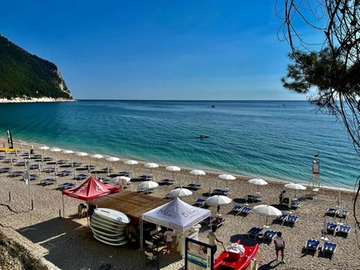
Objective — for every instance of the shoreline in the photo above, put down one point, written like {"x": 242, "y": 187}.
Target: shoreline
{"x": 213, "y": 172}
{"x": 31, "y": 100}
{"x": 44, "y": 233}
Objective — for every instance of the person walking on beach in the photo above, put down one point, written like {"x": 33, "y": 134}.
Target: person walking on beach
{"x": 168, "y": 235}
{"x": 279, "y": 246}
{"x": 213, "y": 237}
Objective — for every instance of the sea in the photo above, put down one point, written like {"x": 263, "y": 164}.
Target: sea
{"x": 262, "y": 139}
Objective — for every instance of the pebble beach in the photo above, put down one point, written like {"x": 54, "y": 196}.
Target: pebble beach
{"x": 32, "y": 216}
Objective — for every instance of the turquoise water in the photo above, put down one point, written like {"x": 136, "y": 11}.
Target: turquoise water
{"x": 271, "y": 139}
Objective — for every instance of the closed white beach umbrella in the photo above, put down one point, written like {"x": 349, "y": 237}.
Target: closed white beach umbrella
{"x": 295, "y": 186}
{"x": 227, "y": 177}
{"x": 267, "y": 210}
{"x": 180, "y": 192}
{"x": 97, "y": 156}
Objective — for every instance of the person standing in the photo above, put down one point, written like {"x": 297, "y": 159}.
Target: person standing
{"x": 168, "y": 235}
{"x": 213, "y": 237}
{"x": 279, "y": 246}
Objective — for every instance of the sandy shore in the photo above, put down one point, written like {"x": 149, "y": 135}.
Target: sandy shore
{"x": 67, "y": 242}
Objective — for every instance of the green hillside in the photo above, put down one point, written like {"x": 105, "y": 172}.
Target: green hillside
{"x": 25, "y": 75}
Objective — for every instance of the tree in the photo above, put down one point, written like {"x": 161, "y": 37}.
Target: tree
{"x": 328, "y": 70}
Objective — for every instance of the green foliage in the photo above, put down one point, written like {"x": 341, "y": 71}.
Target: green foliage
{"x": 23, "y": 74}
{"x": 317, "y": 70}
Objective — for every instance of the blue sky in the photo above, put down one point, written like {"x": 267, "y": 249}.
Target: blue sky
{"x": 113, "y": 49}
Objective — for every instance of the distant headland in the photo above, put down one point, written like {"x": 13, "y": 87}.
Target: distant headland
{"x": 25, "y": 77}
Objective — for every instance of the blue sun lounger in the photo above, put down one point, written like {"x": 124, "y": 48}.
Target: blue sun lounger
{"x": 236, "y": 209}
{"x": 254, "y": 231}
{"x": 332, "y": 211}
{"x": 312, "y": 245}
{"x": 194, "y": 186}
{"x": 328, "y": 248}
{"x": 269, "y": 235}
{"x": 254, "y": 198}
{"x": 343, "y": 213}
{"x": 246, "y": 210}
{"x": 294, "y": 204}
{"x": 220, "y": 191}
{"x": 343, "y": 230}
{"x": 199, "y": 202}
{"x": 291, "y": 219}
{"x": 281, "y": 219}
{"x": 331, "y": 227}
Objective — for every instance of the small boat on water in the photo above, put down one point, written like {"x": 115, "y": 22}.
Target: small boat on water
{"x": 202, "y": 136}
{"x": 236, "y": 257}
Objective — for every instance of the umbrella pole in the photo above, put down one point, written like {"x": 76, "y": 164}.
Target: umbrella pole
{"x": 63, "y": 205}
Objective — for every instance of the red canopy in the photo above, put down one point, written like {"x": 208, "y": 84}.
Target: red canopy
{"x": 90, "y": 189}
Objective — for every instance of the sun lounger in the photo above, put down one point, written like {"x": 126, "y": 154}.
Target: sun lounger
{"x": 343, "y": 213}
{"x": 48, "y": 181}
{"x": 328, "y": 248}
{"x": 343, "y": 230}
{"x": 269, "y": 235}
{"x": 281, "y": 219}
{"x": 220, "y": 191}
{"x": 199, "y": 202}
{"x": 246, "y": 210}
{"x": 295, "y": 204}
{"x": 65, "y": 173}
{"x": 254, "y": 231}
{"x": 5, "y": 170}
{"x": 254, "y": 198}
{"x": 291, "y": 219}
{"x": 49, "y": 169}
{"x": 312, "y": 245}
{"x": 146, "y": 177}
{"x": 16, "y": 174}
{"x": 236, "y": 209}
{"x": 81, "y": 176}
{"x": 331, "y": 227}
{"x": 194, "y": 186}
{"x": 167, "y": 181}
{"x": 66, "y": 186}
{"x": 332, "y": 211}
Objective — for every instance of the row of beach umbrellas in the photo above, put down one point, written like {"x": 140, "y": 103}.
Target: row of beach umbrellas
{"x": 173, "y": 169}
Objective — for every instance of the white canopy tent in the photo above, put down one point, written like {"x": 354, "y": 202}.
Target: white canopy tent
{"x": 178, "y": 216}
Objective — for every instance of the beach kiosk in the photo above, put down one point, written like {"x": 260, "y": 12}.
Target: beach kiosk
{"x": 183, "y": 218}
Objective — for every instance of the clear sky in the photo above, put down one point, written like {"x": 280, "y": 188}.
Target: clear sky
{"x": 156, "y": 49}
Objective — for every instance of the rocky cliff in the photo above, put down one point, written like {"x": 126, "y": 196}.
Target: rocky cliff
{"x": 24, "y": 76}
